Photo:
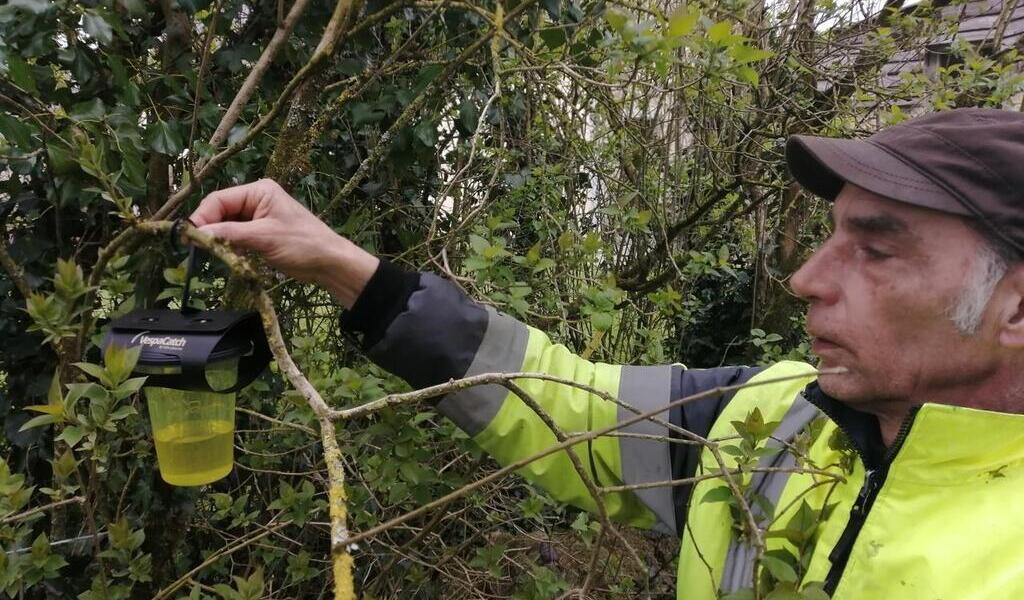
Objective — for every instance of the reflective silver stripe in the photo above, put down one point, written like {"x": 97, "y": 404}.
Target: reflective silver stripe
{"x": 645, "y": 460}
{"x": 738, "y": 571}
{"x": 502, "y": 350}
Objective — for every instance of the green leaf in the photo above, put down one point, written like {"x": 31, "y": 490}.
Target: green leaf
{"x": 683, "y": 21}
{"x": 616, "y": 20}
{"x": 718, "y": 494}
{"x": 553, "y": 37}
{"x": 38, "y": 422}
{"x": 743, "y": 54}
{"x": 122, "y": 413}
{"x": 90, "y": 390}
{"x": 21, "y": 73}
{"x": 90, "y": 110}
{"x": 780, "y": 569}
{"x": 543, "y": 265}
{"x": 71, "y": 435}
{"x": 36, "y": 7}
{"x": 96, "y": 371}
{"x": 723, "y": 254}
{"x": 478, "y": 243}
{"x": 553, "y": 8}
{"x": 720, "y": 32}
{"x": 54, "y": 396}
{"x": 748, "y": 74}
{"x": 129, "y": 387}
{"x": 163, "y": 137}
{"x": 120, "y": 362}
{"x": 426, "y": 132}
{"x": 813, "y": 591}
{"x": 46, "y": 409}
{"x": 469, "y": 114}
{"x": 97, "y": 26}
{"x": 602, "y": 321}
{"x": 363, "y": 113}
{"x": 17, "y": 132}
{"x": 64, "y": 466}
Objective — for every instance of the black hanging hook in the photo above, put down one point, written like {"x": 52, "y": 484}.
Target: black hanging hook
{"x": 190, "y": 266}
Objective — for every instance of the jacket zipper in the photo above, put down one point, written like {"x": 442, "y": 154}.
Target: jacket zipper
{"x": 874, "y": 478}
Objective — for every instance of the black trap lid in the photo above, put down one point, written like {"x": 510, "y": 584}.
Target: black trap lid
{"x": 192, "y": 340}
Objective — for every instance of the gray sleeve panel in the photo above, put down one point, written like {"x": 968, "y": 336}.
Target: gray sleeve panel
{"x": 645, "y": 460}
{"x": 502, "y": 351}
{"x": 738, "y": 571}
{"x": 436, "y": 338}
{"x": 698, "y": 416}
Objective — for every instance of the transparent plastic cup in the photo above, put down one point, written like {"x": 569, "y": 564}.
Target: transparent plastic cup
{"x": 194, "y": 431}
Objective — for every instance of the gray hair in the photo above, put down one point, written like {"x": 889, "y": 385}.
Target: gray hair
{"x": 991, "y": 263}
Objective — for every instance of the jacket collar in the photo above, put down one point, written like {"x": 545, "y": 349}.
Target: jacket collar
{"x": 943, "y": 442}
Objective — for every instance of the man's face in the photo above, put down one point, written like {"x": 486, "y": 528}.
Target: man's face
{"x": 880, "y": 289}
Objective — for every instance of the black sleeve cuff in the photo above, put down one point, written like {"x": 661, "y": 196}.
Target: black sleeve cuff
{"x": 383, "y": 299}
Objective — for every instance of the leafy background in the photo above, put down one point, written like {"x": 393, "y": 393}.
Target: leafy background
{"x": 610, "y": 172}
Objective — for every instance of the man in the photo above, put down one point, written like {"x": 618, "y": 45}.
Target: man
{"x": 917, "y": 295}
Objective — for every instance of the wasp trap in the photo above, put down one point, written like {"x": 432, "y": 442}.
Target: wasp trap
{"x": 195, "y": 361}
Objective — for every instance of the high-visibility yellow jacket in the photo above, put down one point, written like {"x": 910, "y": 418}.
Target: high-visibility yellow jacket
{"x": 934, "y": 517}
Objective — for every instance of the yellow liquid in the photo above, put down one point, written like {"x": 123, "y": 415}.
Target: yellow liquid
{"x": 195, "y": 452}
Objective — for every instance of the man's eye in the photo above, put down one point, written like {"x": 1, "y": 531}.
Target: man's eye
{"x": 873, "y": 254}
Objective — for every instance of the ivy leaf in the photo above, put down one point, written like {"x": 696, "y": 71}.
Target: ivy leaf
{"x": 36, "y": 7}
{"x": 16, "y": 131}
{"x": 363, "y": 113}
{"x": 163, "y": 137}
{"x": 554, "y": 9}
{"x": 553, "y": 37}
{"x": 469, "y": 114}
{"x": 90, "y": 110}
{"x": 426, "y": 133}
{"x": 97, "y": 26}
{"x": 21, "y": 73}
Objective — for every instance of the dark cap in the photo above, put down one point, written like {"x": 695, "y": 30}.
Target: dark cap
{"x": 968, "y": 161}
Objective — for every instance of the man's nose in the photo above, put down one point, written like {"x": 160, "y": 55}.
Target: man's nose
{"x": 813, "y": 281}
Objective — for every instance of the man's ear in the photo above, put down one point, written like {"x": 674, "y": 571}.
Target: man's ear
{"x": 1009, "y": 306}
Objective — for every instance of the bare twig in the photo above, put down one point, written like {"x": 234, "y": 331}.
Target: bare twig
{"x": 39, "y": 509}
{"x": 252, "y": 80}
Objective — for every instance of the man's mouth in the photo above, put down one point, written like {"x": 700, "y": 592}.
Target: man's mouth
{"x": 820, "y": 345}
{"x": 823, "y": 343}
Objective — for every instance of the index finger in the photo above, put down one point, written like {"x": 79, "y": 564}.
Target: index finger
{"x": 236, "y": 203}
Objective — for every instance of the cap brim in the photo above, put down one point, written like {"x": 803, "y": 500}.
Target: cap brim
{"x": 822, "y": 165}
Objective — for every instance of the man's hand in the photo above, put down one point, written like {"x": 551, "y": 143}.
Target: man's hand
{"x": 262, "y": 217}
